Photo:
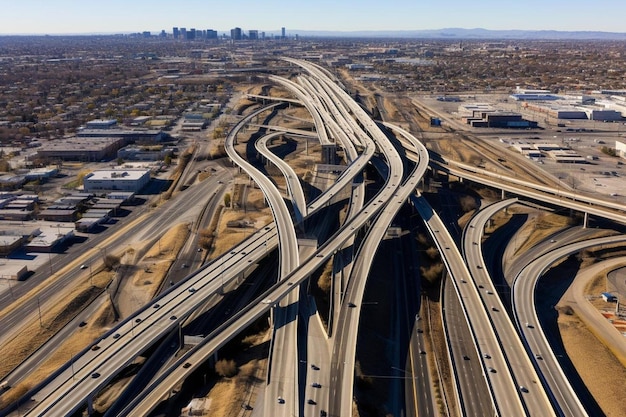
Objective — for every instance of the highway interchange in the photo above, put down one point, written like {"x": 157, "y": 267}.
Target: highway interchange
{"x": 503, "y": 349}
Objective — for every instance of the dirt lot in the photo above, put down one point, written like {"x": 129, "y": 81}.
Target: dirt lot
{"x": 602, "y": 373}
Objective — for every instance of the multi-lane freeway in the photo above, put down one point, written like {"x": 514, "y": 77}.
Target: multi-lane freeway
{"x": 320, "y": 381}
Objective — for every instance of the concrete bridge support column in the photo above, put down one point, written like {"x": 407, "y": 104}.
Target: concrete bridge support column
{"x": 586, "y": 220}
{"x": 502, "y": 195}
{"x": 90, "y": 409}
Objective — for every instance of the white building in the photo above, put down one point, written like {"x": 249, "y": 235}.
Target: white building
{"x": 620, "y": 149}
{"x": 116, "y": 180}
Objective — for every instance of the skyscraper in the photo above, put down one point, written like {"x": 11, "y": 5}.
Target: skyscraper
{"x": 282, "y": 33}
{"x": 235, "y": 34}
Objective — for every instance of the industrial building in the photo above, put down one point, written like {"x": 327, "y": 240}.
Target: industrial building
{"x": 13, "y": 271}
{"x": 116, "y": 180}
{"x": 101, "y": 124}
{"x": 50, "y": 237}
{"x": 127, "y": 136}
{"x": 583, "y": 107}
{"x": 137, "y": 153}
{"x": 534, "y": 97}
{"x": 556, "y": 152}
{"x": 11, "y": 181}
{"x": 620, "y": 149}
{"x": 484, "y": 115}
{"x": 81, "y": 148}
{"x": 529, "y": 151}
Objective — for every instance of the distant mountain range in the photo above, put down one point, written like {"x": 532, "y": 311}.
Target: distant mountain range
{"x": 460, "y": 33}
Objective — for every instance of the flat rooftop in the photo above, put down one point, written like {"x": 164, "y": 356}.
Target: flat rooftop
{"x": 117, "y": 174}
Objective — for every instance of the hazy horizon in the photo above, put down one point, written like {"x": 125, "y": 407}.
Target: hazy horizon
{"x": 76, "y": 17}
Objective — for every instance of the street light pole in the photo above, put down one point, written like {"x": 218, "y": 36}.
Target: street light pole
{"x": 222, "y": 277}
{"x": 39, "y": 310}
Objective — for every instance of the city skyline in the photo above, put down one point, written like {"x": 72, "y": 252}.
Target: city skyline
{"x": 115, "y": 16}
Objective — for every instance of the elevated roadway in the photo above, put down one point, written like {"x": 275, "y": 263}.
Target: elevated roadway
{"x": 506, "y": 395}
{"x": 529, "y": 325}
{"x": 522, "y": 369}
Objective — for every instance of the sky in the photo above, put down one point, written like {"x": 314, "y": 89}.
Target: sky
{"x": 127, "y": 16}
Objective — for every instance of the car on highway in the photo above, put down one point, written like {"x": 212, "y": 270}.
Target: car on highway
{"x": 116, "y": 336}
{"x": 83, "y": 266}
{"x": 191, "y": 289}
{"x": 311, "y": 401}
{"x": 486, "y": 356}
{"x": 465, "y": 357}
{"x": 523, "y": 388}
{"x": 315, "y": 367}
{"x": 316, "y": 385}
{"x": 95, "y": 375}
{"x": 323, "y": 413}
{"x": 281, "y": 400}
{"x": 530, "y": 326}
{"x": 538, "y": 356}
{"x": 492, "y": 370}
{"x": 493, "y": 308}
{"x": 489, "y": 292}
{"x": 351, "y": 305}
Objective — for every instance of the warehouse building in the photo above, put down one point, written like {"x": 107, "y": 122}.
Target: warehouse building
{"x": 582, "y": 107}
{"x": 620, "y": 149}
{"x": 137, "y": 153}
{"x": 101, "y": 124}
{"x": 116, "y": 180}
{"x": 125, "y": 135}
{"x": 81, "y": 149}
